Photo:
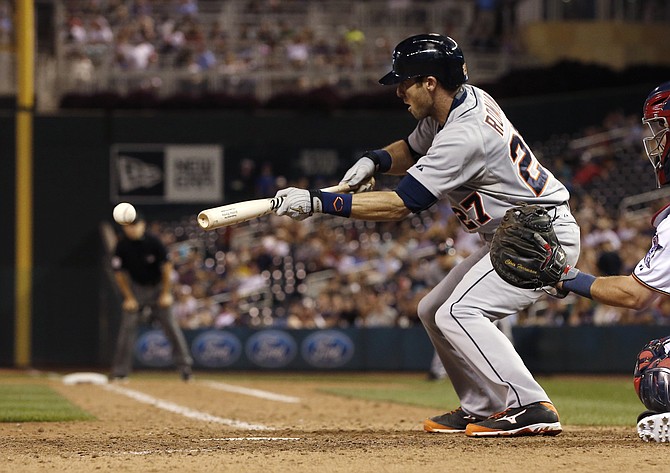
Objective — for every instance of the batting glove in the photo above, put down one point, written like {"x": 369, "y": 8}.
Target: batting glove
{"x": 363, "y": 169}
{"x": 298, "y": 203}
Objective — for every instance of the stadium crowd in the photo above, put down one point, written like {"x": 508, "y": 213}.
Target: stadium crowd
{"x": 328, "y": 271}
{"x": 309, "y": 44}
{"x": 332, "y": 272}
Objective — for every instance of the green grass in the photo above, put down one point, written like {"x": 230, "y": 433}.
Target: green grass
{"x": 36, "y": 403}
{"x": 580, "y": 400}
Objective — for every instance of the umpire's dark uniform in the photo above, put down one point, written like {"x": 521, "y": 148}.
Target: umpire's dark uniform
{"x": 143, "y": 274}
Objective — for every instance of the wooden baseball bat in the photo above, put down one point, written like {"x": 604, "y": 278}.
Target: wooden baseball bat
{"x": 231, "y": 214}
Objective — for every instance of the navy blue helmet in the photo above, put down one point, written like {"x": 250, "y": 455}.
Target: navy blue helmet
{"x": 428, "y": 55}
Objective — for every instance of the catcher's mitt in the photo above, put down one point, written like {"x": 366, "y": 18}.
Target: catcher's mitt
{"x": 525, "y": 251}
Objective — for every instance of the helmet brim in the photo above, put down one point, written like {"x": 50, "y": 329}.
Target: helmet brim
{"x": 391, "y": 79}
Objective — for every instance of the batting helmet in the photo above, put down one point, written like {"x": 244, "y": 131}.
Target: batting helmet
{"x": 655, "y": 114}
{"x": 428, "y": 55}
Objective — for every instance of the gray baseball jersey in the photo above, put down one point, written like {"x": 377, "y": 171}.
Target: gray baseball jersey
{"x": 480, "y": 163}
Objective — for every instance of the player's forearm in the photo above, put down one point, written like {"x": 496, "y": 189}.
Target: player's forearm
{"x": 401, "y": 156}
{"x": 379, "y": 206}
{"x": 123, "y": 284}
{"x": 622, "y": 291}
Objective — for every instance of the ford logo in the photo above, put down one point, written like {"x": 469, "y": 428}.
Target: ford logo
{"x": 327, "y": 349}
{"x": 153, "y": 349}
{"x": 271, "y": 349}
{"x": 216, "y": 349}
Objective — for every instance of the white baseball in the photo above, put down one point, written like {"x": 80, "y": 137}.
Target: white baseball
{"x": 124, "y": 213}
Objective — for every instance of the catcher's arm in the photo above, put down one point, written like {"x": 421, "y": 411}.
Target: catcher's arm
{"x": 619, "y": 291}
{"x": 525, "y": 252}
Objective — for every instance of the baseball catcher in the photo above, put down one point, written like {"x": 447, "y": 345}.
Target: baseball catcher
{"x": 525, "y": 251}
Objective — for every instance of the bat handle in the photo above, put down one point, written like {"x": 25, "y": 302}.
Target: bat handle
{"x": 276, "y": 202}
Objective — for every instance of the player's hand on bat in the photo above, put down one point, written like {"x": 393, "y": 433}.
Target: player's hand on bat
{"x": 297, "y": 203}
{"x": 360, "y": 172}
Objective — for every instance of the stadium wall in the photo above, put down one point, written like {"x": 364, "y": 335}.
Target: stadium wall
{"x": 545, "y": 350}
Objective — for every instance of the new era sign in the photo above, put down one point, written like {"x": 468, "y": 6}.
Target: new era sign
{"x": 167, "y": 173}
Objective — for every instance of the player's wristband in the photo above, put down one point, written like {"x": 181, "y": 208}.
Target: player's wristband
{"x": 331, "y": 203}
{"x": 381, "y": 158}
{"x": 581, "y": 284}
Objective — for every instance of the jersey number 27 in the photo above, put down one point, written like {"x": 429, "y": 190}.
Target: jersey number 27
{"x": 530, "y": 171}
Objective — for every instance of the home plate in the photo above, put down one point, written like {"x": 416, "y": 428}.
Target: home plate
{"x": 84, "y": 378}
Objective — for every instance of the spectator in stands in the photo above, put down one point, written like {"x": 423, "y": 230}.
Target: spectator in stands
{"x": 82, "y": 69}
{"x": 187, "y": 8}
{"x": 100, "y": 32}
{"x": 76, "y": 29}
{"x": 228, "y": 315}
{"x": 302, "y": 314}
{"x": 298, "y": 51}
{"x": 134, "y": 55}
{"x": 266, "y": 182}
{"x": 483, "y": 29}
{"x": 172, "y": 36}
{"x": 185, "y": 306}
{"x": 376, "y": 310}
{"x": 205, "y": 314}
{"x": 141, "y": 8}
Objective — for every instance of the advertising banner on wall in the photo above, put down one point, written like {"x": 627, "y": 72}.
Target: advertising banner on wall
{"x": 242, "y": 348}
{"x": 166, "y": 173}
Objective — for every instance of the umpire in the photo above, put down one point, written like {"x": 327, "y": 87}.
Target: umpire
{"x": 143, "y": 274}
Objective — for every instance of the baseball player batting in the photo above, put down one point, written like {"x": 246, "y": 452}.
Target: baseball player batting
{"x": 464, "y": 150}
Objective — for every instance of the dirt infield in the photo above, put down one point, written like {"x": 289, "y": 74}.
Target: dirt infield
{"x": 157, "y": 425}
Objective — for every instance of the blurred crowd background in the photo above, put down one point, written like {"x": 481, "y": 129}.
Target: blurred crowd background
{"x": 334, "y": 272}
{"x": 250, "y": 53}
{"x": 325, "y": 272}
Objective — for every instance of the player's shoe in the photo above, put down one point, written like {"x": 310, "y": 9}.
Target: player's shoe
{"x": 453, "y": 422}
{"x": 186, "y": 374}
{"x": 539, "y": 418}
{"x": 654, "y": 427}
